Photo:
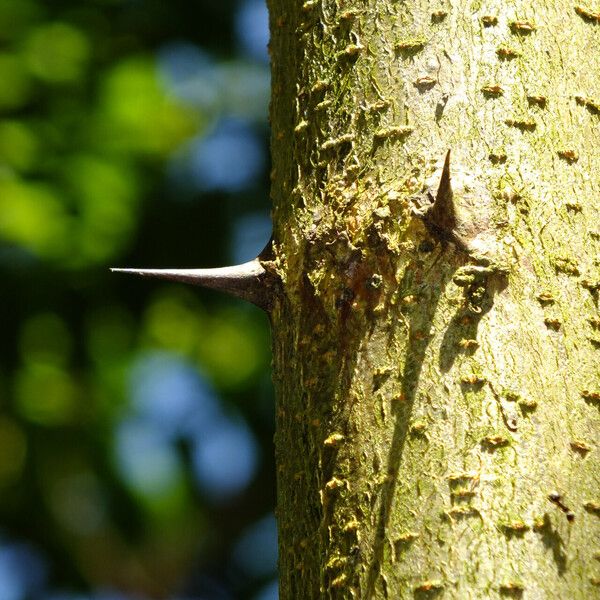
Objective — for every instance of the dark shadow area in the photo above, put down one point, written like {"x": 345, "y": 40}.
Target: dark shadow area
{"x": 593, "y": 287}
{"x": 511, "y": 591}
{"x": 335, "y": 347}
{"x": 363, "y": 287}
{"x": 461, "y": 334}
{"x": 591, "y": 398}
{"x": 424, "y": 285}
{"x": 428, "y": 591}
{"x": 553, "y": 541}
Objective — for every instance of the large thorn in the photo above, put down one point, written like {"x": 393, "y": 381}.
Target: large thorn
{"x": 249, "y": 281}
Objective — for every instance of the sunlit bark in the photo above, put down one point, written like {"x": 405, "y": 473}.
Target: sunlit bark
{"x": 438, "y": 404}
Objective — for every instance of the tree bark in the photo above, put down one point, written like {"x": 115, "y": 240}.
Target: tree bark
{"x": 437, "y": 372}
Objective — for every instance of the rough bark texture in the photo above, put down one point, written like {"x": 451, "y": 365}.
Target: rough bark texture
{"x": 438, "y": 407}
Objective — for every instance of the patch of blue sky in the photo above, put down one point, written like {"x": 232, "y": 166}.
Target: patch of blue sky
{"x": 255, "y": 552}
{"x": 245, "y": 90}
{"x": 250, "y": 234}
{"x": 171, "y": 394}
{"x": 252, "y": 29}
{"x": 171, "y": 401}
{"x": 234, "y": 88}
{"x": 23, "y": 571}
{"x": 225, "y": 459}
{"x": 230, "y": 158}
{"x": 145, "y": 457}
{"x": 190, "y": 74}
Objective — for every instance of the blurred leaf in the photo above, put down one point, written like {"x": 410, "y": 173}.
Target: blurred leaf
{"x": 110, "y": 343}
{"x": 110, "y": 334}
{"x": 232, "y": 349}
{"x": 18, "y": 145}
{"x": 13, "y": 448}
{"x": 16, "y": 87}
{"x": 137, "y": 115}
{"x": 45, "y": 339}
{"x": 16, "y": 16}
{"x": 105, "y": 193}
{"x": 32, "y": 215}
{"x": 57, "y": 53}
{"x": 229, "y": 345}
{"x": 46, "y": 395}
{"x": 174, "y": 323}
{"x": 78, "y": 502}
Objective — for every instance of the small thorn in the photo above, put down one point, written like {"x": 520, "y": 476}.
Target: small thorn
{"x": 440, "y": 216}
{"x": 249, "y": 281}
{"x": 445, "y": 188}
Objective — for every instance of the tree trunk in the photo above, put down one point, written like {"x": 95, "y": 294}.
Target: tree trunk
{"x": 436, "y": 350}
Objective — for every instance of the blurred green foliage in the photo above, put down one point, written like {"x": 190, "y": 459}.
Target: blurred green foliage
{"x": 88, "y": 127}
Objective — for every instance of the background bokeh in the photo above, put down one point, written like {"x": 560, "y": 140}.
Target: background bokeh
{"x": 136, "y": 417}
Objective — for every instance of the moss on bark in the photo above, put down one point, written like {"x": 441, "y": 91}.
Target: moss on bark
{"x": 438, "y": 409}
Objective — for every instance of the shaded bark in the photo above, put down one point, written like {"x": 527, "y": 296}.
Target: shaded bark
{"x": 438, "y": 400}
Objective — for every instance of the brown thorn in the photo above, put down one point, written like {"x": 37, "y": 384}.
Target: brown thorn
{"x": 445, "y": 188}
{"x": 440, "y": 217}
{"x": 249, "y": 281}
